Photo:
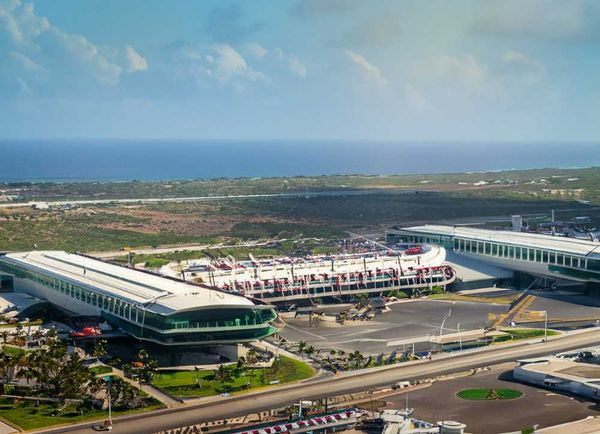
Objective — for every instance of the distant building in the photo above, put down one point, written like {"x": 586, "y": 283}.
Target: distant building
{"x": 582, "y": 379}
{"x": 543, "y": 255}
{"x": 147, "y": 306}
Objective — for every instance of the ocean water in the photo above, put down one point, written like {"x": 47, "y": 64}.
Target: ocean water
{"x": 121, "y": 160}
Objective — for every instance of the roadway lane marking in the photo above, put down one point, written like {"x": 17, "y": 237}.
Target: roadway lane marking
{"x": 305, "y": 332}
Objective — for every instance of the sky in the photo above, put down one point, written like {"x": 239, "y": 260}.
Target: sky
{"x": 305, "y": 70}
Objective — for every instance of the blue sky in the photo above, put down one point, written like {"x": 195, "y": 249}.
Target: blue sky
{"x": 423, "y": 70}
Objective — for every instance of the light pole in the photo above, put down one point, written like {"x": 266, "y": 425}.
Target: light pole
{"x": 108, "y": 423}
{"x": 459, "y": 336}
{"x": 442, "y": 326}
{"x": 370, "y": 392}
{"x": 545, "y": 326}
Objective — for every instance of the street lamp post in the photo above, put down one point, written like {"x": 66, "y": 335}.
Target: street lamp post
{"x": 370, "y": 392}
{"x": 545, "y": 326}
{"x": 459, "y": 336}
{"x": 442, "y": 326}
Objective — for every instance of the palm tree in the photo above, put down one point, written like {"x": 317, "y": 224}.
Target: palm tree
{"x": 252, "y": 355}
{"x": 241, "y": 363}
{"x": 357, "y": 357}
{"x": 301, "y": 348}
{"x": 100, "y": 349}
{"x": 7, "y": 362}
{"x": 222, "y": 373}
{"x": 37, "y": 335}
{"x": 309, "y": 350}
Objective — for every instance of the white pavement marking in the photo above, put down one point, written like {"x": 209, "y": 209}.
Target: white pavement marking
{"x": 305, "y": 332}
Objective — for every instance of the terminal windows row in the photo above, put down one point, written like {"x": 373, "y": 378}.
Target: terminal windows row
{"x": 521, "y": 253}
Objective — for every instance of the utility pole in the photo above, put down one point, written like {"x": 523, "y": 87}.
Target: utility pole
{"x": 442, "y": 326}
{"x": 545, "y": 326}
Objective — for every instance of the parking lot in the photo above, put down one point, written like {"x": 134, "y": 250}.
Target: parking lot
{"x": 405, "y": 321}
{"x": 536, "y": 406}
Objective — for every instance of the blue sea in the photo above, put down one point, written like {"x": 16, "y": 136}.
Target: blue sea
{"x": 122, "y": 160}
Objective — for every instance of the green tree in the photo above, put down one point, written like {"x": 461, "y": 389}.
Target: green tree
{"x": 252, "y": 356}
{"x": 148, "y": 368}
{"x": 100, "y": 349}
{"x": 222, "y": 373}
{"x": 301, "y": 347}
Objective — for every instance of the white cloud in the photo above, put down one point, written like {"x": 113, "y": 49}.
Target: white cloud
{"x": 256, "y": 50}
{"x": 24, "y": 61}
{"x": 523, "y": 66}
{"x": 67, "y": 59}
{"x": 230, "y": 65}
{"x": 24, "y": 88}
{"x": 135, "y": 61}
{"x": 84, "y": 53}
{"x": 296, "y": 67}
{"x": 366, "y": 67}
{"x": 460, "y": 70}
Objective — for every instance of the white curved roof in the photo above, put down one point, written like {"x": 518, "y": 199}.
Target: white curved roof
{"x": 157, "y": 293}
{"x": 573, "y": 246}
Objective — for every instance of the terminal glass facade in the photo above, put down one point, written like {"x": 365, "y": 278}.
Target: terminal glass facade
{"x": 559, "y": 262}
{"x": 231, "y": 324}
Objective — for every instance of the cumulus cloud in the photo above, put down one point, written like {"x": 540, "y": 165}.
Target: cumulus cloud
{"x": 230, "y": 65}
{"x": 524, "y": 66}
{"x": 465, "y": 70}
{"x": 367, "y": 68}
{"x": 24, "y": 61}
{"x": 297, "y": 67}
{"x": 293, "y": 64}
{"x": 256, "y": 50}
{"x": 23, "y": 87}
{"x": 135, "y": 61}
{"x": 34, "y": 44}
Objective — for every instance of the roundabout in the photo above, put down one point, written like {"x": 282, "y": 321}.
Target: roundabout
{"x": 486, "y": 394}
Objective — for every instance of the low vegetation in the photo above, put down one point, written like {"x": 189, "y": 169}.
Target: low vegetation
{"x": 30, "y": 415}
{"x": 231, "y": 379}
{"x": 56, "y": 387}
{"x": 364, "y": 201}
{"x": 489, "y": 394}
{"x": 529, "y": 333}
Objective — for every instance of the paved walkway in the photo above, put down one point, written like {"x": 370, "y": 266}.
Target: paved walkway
{"x": 150, "y": 390}
{"x": 6, "y": 428}
{"x": 590, "y": 425}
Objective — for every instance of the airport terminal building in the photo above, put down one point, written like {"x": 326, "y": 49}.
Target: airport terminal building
{"x": 149, "y": 307}
{"x": 543, "y": 255}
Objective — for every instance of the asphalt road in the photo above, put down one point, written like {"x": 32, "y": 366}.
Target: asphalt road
{"x": 377, "y": 377}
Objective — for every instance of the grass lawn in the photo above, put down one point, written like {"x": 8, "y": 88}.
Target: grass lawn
{"x": 101, "y": 369}
{"x": 24, "y": 324}
{"x": 503, "y": 299}
{"x": 489, "y": 394}
{"x": 183, "y": 383}
{"x": 12, "y": 351}
{"x": 528, "y": 333}
{"x": 27, "y": 416}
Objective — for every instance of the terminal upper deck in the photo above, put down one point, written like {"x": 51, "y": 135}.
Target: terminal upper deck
{"x": 573, "y": 246}
{"x": 164, "y": 295}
